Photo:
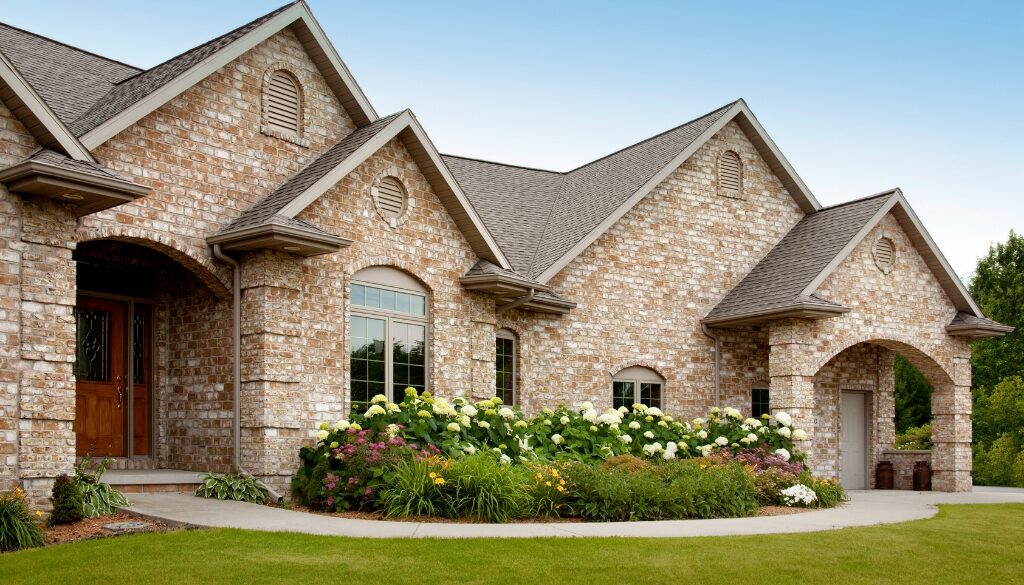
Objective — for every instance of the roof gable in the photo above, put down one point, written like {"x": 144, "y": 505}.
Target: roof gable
{"x": 134, "y": 98}
{"x": 288, "y": 200}
{"x": 545, "y": 219}
{"x": 791, "y": 273}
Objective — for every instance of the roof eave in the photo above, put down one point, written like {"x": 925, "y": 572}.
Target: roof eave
{"x": 37, "y": 116}
{"x": 500, "y": 284}
{"x": 84, "y": 192}
{"x": 979, "y": 331}
{"x": 280, "y": 238}
{"x": 794, "y": 311}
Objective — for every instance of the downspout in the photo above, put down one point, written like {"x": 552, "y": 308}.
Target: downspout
{"x": 236, "y": 361}
{"x": 718, "y": 363}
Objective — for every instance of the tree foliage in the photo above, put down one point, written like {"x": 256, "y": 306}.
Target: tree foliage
{"x": 998, "y": 287}
{"x": 913, "y": 396}
{"x": 999, "y": 434}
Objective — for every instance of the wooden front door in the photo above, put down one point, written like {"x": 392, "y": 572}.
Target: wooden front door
{"x": 101, "y": 404}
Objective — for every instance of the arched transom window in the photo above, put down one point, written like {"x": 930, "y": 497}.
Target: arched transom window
{"x": 388, "y": 332}
{"x": 637, "y": 385}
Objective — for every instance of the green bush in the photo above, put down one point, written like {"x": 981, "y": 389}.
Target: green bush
{"x": 915, "y": 438}
{"x": 98, "y": 498}
{"x": 18, "y": 528}
{"x": 676, "y": 489}
{"x": 240, "y": 488}
{"x": 768, "y": 486}
{"x": 67, "y": 502}
{"x": 999, "y": 434}
{"x": 476, "y": 487}
{"x": 829, "y": 492}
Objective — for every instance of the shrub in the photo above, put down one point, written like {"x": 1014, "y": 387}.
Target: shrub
{"x": 18, "y": 528}
{"x": 915, "y": 438}
{"x": 98, "y": 498}
{"x": 476, "y": 487}
{"x": 829, "y": 492}
{"x": 628, "y": 463}
{"x": 241, "y": 488}
{"x": 768, "y": 486}
{"x": 673, "y": 490}
{"x": 348, "y": 472}
{"x": 67, "y": 502}
{"x": 460, "y": 427}
{"x": 550, "y": 491}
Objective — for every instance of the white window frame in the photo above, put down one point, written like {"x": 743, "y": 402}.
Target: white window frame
{"x": 386, "y": 278}
{"x": 637, "y": 375}
{"x": 508, "y": 335}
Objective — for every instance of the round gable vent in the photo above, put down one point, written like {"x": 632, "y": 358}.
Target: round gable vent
{"x": 885, "y": 254}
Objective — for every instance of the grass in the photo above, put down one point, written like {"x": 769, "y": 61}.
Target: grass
{"x": 962, "y": 545}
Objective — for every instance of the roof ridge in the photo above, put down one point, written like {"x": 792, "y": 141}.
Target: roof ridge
{"x": 887, "y": 193}
{"x": 658, "y": 135}
{"x": 72, "y": 47}
{"x": 501, "y": 164}
{"x": 210, "y": 41}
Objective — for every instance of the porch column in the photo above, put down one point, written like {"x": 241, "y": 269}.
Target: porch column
{"x": 952, "y": 459}
{"x": 483, "y": 328}
{"x": 46, "y": 405}
{"x": 791, "y": 370}
{"x": 275, "y": 403}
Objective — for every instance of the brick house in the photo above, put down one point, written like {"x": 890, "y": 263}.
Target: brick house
{"x": 203, "y": 260}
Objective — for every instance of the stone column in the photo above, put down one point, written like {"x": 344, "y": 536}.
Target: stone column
{"x": 484, "y": 328}
{"x": 46, "y": 406}
{"x": 884, "y": 435}
{"x": 791, "y": 369}
{"x": 10, "y": 335}
{"x": 951, "y": 427}
{"x": 274, "y": 400}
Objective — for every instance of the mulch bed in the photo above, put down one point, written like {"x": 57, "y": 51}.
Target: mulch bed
{"x": 90, "y": 528}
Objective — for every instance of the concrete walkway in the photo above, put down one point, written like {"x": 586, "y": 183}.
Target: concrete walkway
{"x": 865, "y": 508}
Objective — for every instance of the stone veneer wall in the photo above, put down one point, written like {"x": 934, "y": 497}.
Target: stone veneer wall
{"x": 906, "y": 311}
{"x": 643, "y": 287}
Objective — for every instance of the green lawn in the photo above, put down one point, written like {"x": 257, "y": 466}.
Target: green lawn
{"x": 962, "y": 545}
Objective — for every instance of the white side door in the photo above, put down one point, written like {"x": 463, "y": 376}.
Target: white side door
{"x": 853, "y": 441}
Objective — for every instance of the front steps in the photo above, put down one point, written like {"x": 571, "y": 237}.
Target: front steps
{"x": 145, "y": 481}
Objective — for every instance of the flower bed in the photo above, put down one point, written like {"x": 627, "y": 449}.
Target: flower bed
{"x": 486, "y": 461}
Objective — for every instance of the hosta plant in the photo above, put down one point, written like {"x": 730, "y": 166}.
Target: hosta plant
{"x": 98, "y": 498}
{"x": 241, "y": 488}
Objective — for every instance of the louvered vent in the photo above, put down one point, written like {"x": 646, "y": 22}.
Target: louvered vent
{"x": 391, "y": 197}
{"x": 729, "y": 174}
{"x": 282, "y": 105}
{"x": 885, "y": 254}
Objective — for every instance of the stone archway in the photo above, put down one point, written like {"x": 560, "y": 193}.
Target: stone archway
{"x": 798, "y": 356}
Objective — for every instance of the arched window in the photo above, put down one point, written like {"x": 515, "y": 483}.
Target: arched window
{"x": 730, "y": 174}
{"x": 505, "y": 366}
{"x": 637, "y": 385}
{"x": 388, "y": 334}
{"x": 282, "y": 103}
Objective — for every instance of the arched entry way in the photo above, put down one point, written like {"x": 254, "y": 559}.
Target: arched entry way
{"x": 153, "y": 358}
{"x": 854, "y": 415}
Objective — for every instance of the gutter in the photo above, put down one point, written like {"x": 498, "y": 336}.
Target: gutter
{"x": 517, "y": 303}
{"x": 718, "y": 362}
{"x": 236, "y": 360}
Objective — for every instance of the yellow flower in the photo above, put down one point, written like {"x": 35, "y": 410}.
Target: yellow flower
{"x": 444, "y": 465}
{"x": 439, "y": 481}
{"x": 561, "y": 482}
{"x": 554, "y": 473}
{"x": 432, "y": 475}
{"x": 539, "y": 476}
{"x": 39, "y": 514}
{"x": 547, "y": 483}
{"x": 560, "y": 488}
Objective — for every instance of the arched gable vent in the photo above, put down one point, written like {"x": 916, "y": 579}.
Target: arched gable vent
{"x": 730, "y": 174}
{"x": 282, "y": 97}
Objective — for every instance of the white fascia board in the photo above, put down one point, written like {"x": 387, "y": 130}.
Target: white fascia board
{"x": 464, "y": 201}
{"x": 337, "y": 63}
{"x": 42, "y": 112}
{"x": 346, "y": 166}
{"x": 389, "y": 132}
{"x": 640, "y": 194}
{"x": 805, "y": 192}
{"x": 852, "y": 244}
{"x": 205, "y": 68}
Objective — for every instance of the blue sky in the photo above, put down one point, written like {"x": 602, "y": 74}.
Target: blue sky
{"x": 859, "y": 96}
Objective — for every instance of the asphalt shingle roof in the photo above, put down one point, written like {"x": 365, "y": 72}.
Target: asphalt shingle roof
{"x": 304, "y": 179}
{"x": 537, "y": 216}
{"x": 69, "y": 80}
{"x": 54, "y": 158}
{"x": 779, "y": 279}
{"x": 131, "y": 91}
